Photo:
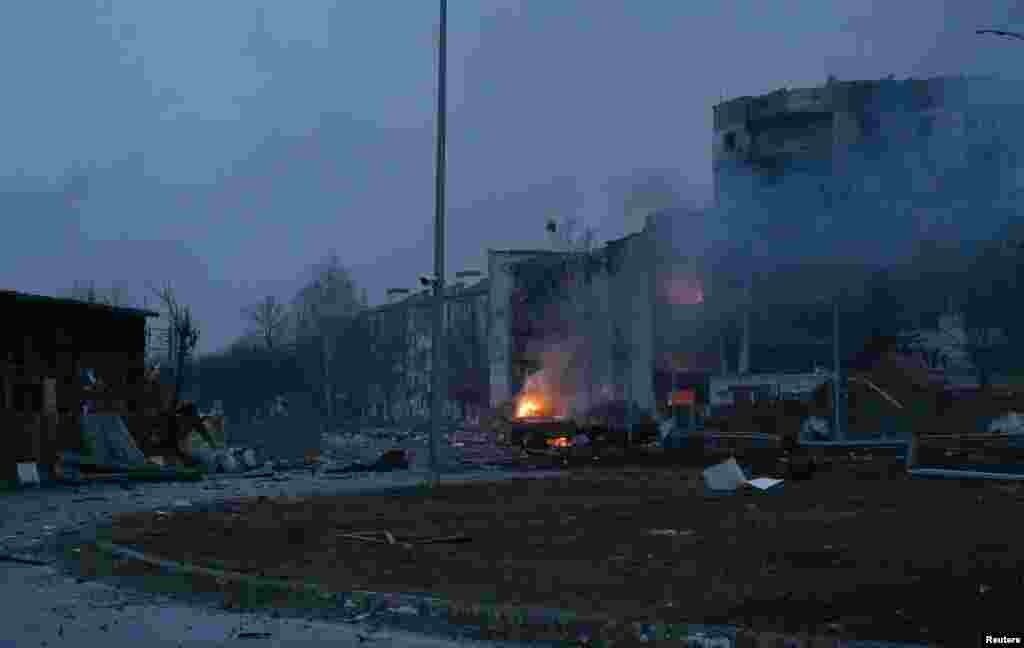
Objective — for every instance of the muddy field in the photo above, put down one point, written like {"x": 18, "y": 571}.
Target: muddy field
{"x": 856, "y": 551}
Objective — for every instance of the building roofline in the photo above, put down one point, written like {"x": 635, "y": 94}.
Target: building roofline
{"x": 66, "y": 301}
{"x": 622, "y": 239}
{"x": 477, "y": 289}
{"x": 933, "y": 80}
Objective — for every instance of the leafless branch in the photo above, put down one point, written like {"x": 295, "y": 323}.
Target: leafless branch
{"x": 270, "y": 317}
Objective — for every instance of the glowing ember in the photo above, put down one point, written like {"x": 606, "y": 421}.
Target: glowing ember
{"x": 559, "y": 442}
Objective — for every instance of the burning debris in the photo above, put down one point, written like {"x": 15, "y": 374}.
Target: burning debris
{"x": 546, "y": 392}
{"x": 532, "y": 403}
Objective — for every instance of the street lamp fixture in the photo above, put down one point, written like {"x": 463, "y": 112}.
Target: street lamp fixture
{"x": 1000, "y": 32}
{"x": 396, "y": 293}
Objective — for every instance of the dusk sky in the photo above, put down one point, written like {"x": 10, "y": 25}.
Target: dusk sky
{"x": 227, "y": 145}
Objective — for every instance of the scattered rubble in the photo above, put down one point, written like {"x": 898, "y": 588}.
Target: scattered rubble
{"x": 394, "y": 459}
{"x": 1010, "y": 423}
{"x": 728, "y": 476}
{"x": 28, "y": 474}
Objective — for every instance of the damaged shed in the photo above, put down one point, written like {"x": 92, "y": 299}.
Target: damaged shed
{"x": 46, "y": 343}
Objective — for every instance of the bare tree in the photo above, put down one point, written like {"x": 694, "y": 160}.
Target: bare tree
{"x": 269, "y": 318}
{"x": 116, "y": 295}
{"x": 84, "y": 291}
{"x": 321, "y": 309}
{"x": 183, "y": 335}
{"x": 569, "y": 235}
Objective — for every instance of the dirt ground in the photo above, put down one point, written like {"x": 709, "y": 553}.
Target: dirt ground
{"x": 859, "y": 550}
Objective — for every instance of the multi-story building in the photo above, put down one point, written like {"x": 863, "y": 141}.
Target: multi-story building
{"x": 851, "y": 175}
{"x": 809, "y": 164}
{"x": 585, "y": 316}
{"x": 400, "y": 380}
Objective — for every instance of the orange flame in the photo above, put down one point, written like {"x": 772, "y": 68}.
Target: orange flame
{"x": 529, "y": 406}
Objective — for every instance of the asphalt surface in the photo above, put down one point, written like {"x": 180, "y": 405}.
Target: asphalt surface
{"x": 45, "y": 605}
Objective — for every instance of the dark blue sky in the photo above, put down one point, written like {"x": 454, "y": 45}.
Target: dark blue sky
{"x": 228, "y": 145}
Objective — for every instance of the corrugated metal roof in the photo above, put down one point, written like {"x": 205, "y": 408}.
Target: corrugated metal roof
{"x": 74, "y": 303}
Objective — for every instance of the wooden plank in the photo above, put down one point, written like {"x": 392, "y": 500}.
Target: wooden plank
{"x": 974, "y": 436}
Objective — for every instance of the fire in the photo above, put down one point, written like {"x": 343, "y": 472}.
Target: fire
{"x": 559, "y": 442}
{"x": 528, "y": 406}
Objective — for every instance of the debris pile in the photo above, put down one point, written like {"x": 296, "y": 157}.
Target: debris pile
{"x": 153, "y": 439}
{"x": 478, "y": 447}
{"x": 1011, "y": 423}
{"x": 728, "y": 476}
{"x": 464, "y": 446}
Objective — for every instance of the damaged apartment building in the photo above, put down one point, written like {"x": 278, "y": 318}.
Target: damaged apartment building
{"x": 820, "y": 186}
{"x": 815, "y": 189}
{"x": 621, "y": 322}
{"x": 580, "y": 323}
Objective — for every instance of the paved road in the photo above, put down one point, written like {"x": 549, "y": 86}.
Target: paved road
{"x": 45, "y": 607}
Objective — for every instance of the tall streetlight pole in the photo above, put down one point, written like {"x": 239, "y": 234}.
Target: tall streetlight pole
{"x": 437, "y": 343}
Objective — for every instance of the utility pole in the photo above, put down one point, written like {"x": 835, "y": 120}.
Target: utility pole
{"x": 438, "y": 369}
{"x": 836, "y": 375}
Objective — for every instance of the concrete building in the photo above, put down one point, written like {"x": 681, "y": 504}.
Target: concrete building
{"x": 596, "y": 321}
{"x": 852, "y": 173}
{"x": 500, "y": 266}
{"x": 928, "y": 153}
{"x": 402, "y": 331}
